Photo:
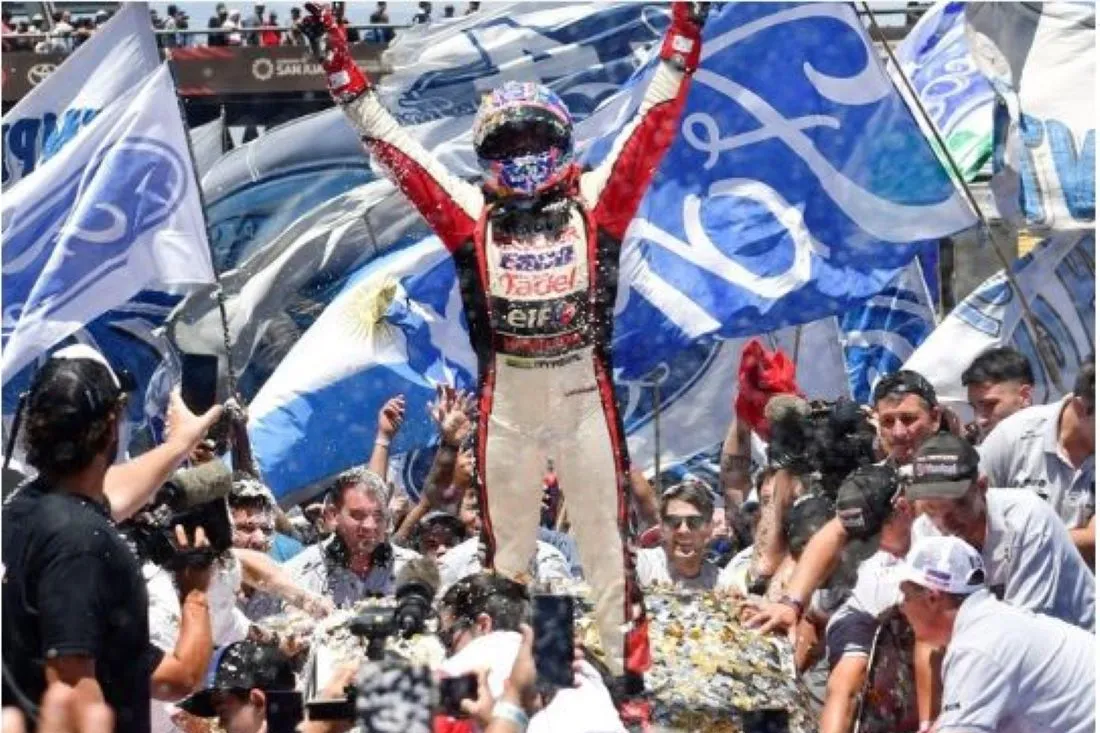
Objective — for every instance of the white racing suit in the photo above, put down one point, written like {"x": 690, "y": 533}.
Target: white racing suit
{"x": 538, "y": 278}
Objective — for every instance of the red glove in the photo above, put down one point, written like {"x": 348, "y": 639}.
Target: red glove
{"x": 761, "y": 377}
{"x": 684, "y": 37}
{"x": 329, "y": 42}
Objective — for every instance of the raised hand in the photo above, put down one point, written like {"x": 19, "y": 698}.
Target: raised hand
{"x": 329, "y": 43}
{"x": 185, "y": 426}
{"x": 452, "y": 410}
{"x": 391, "y": 417}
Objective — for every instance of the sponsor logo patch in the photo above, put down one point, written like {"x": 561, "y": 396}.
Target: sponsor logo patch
{"x": 540, "y": 285}
{"x": 533, "y": 261}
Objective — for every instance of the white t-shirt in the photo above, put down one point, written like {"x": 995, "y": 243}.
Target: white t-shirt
{"x": 587, "y": 708}
{"x": 1007, "y": 669}
{"x": 653, "y": 568}
{"x": 227, "y": 623}
{"x": 1030, "y": 560}
{"x": 851, "y": 629}
{"x": 320, "y": 570}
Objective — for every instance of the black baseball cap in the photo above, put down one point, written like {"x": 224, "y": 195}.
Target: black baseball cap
{"x": 904, "y": 382}
{"x": 240, "y": 667}
{"x": 944, "y": 467}
{"x": 865, "y": 499}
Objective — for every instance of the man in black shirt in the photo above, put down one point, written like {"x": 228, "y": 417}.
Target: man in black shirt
{"x": 75, "y": 609}
{"x": 215, "y": 24}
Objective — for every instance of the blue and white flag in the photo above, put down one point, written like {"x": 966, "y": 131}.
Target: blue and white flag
{"x": 1041, "y": 61}
{"x": 111, "y": 63}
{"x": 1058, "y": 279}
{"x": 397, "y": 327}
{"x": 936, "y": 58}
{"x": 880, "y": 335}
{"x": 797, "y": 187}
{"x": 114, "y": 213}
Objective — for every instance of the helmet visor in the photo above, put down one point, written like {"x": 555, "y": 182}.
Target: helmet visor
{"x": 524, "y": 131}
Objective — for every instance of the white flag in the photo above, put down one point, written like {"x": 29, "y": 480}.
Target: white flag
{"x": 1041, "y": 60}
{"x": 115, "y": 212}
{"x": 1058, "y": 278}
{"x": 108, "y": 65}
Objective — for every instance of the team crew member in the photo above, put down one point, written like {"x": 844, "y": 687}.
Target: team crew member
{"x": 1029, "y": 558}
{"x": 1050, "y": 450}
{"x": 536, "y": 248}
{"x": 1005, "y": 668}
{"x": 999, "y": 383}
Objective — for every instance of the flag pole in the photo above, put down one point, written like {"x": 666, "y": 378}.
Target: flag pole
{"x": 1030, "y": 322}
{"x": 220, "y": 293}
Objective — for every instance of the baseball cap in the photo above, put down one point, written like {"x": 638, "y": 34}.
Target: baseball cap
{"x": 945, "y": 563}
{"x": 123, "y": 380}
{"x": 239, "y": 667}
{"x": 904, "y": 382}
{"x": 865, "y": 499}
{"x": 943, "y": 468}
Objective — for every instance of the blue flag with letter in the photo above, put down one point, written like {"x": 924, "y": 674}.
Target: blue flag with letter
{"x": 114, "y": 213}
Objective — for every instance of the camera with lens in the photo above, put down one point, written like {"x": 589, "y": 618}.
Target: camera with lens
{"x": 191, "y": 498}
{"x": 416, "y": 586}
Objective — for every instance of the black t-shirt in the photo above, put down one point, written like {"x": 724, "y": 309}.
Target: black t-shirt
{"x": 72, "y": 586}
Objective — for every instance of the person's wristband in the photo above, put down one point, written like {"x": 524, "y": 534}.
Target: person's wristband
{"x": 794, "y": 603}
{"x": 512, "y": 713}
{"x": 384, "y": 442}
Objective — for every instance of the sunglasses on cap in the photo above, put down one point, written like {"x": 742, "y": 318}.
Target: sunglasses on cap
{"x": 694, "y": 521}
{"x": 903, "y": 383}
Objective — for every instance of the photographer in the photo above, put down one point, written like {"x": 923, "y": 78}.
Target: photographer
{"x": 479, "y": 620}
{"x": 74, "y": 600}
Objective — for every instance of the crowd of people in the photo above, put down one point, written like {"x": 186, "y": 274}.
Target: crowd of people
{"x": 225, "y": 27}
{"x": 926, "y": 571}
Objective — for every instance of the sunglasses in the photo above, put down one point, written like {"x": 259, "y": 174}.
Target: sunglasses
{"x": 694, "y": 521}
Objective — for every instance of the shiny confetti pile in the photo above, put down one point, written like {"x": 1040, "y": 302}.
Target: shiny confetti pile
{"x": 709, "y": 670}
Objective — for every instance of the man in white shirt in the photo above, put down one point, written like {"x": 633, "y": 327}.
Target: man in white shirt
{"x": 1005, "y": 669}
{"x": 479, "y": 618}
{"x": 680, "y": 561}
{"x": 1050, "y": 449}
{"x": 358, "y": 561}
{"x": 999, "y": 383}
{"x": 1029, "y": 558}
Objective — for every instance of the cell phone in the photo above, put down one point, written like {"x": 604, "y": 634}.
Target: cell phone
{"x": 199, "y": 381}
{"x": 553, "y": 642}
{"x": 453, "y": 690}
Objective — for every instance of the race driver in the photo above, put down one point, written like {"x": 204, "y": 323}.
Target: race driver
{"x": 536, "y": 246}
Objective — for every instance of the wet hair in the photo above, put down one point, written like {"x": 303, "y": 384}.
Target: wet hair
{"x": 359, "y": 478}
{"x": 505, "y": 601}
{"x": 692, "y": 491}
{"x": 808, "y": 514}
{"x": 69, "y": 415}
{"x": 1001, "y": 364}
{"x": 249, "y": 493}
{"x": 1085, "y": 385}
{"x": 904, "y": 382}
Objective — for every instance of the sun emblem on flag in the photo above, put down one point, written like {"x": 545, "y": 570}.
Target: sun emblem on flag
{"x": 366, "y": 305}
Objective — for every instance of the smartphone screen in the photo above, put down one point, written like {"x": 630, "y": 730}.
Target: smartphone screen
{"x": 453, "y": 690}
{"x": 553, "y": 643}
{"x": 199, "y": 381}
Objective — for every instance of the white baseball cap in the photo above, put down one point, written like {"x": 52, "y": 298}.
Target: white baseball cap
{"x": 83, "y": 351}
{"x": 946, "y": 563}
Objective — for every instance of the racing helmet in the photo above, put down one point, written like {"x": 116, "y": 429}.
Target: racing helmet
{"x": 523, "y": 137}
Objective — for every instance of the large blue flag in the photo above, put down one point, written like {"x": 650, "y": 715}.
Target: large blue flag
{"x": 115, "y": 212}
{"x": 799, "y": 187}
